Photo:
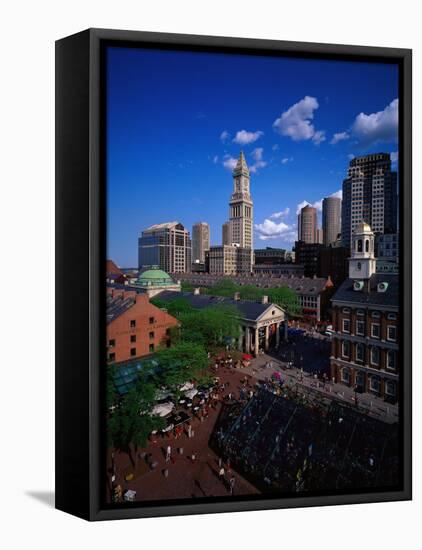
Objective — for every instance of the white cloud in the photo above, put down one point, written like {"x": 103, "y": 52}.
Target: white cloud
{"x": 224, "y": 136}
{"x": 318, "y": 137}
{"x": 215, "y": 159}
{"x": 272, "y": 230}
{"x": 229, "y": 162}
{"x": 340, "y": 136}
{"x": 244, "y": 138}
{"x": 281, "y": 214}
{"x": 376, "y": 127}
{"x": 257, "y": 155}
{"x": 350, "y": 156}
{"x": 296, "y": 121}
{"x": 338, "y": 194}
{"x": 394, "y": 155}
{"x": 285, "y": 160}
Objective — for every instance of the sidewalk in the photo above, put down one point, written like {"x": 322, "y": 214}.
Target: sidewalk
{"x": 367, "y": 403}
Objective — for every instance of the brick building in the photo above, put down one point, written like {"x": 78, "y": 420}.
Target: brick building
{"x": 365, "y": 318}
{"x": 135, "y": 327}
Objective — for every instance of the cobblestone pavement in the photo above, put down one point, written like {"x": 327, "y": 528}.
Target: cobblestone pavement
{"x": 186, "y": 478}
{"x": 305, "y": 381}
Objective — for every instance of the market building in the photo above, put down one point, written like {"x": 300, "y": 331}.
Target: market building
{"x": 263, "y": 324}
{"x": 314, "y": 293}
{"x": 135, "y": 327}
{"x": 365, "y": 319}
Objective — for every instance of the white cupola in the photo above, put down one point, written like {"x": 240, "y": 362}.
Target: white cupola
{"x": 362, "y": 263}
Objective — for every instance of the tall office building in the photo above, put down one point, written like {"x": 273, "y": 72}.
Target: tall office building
{"x": 331, "y": 219}
{"x": 200, "y": 241}
{"x": 166, "y": 245}
{"x": 307, "y": 224}
{"x": 241, "y": 206}
{"x": 319, "y": 235}
{"x": 226, "y": 233}
{"x": 369, "y": 196}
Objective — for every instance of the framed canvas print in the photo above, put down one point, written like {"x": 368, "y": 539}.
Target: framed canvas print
{"x": 233, "y": 274}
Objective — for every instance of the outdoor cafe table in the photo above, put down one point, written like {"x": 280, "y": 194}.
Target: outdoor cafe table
{"x": 177, "y": 419}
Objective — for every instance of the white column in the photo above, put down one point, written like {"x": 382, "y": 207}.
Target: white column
{"x": 256, "y": 342}
{"x": 248, "y": 340}
{"x": 267, "y": 336}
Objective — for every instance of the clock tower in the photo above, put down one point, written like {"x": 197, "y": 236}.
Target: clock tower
{"x": 241, "y": 206}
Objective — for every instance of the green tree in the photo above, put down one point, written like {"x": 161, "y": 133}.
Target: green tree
{"x": 132, "y": 421}
{"x": 182, "y": 362}
{"x": 212, "y": 326}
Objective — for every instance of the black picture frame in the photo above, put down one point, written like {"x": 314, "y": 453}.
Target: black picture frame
{"x": 80, "y": 257}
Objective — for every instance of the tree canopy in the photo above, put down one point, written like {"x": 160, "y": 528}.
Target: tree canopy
{"x": 283, "y": 296}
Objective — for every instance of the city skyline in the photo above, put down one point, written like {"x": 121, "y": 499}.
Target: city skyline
{"x": 297, "y": 138}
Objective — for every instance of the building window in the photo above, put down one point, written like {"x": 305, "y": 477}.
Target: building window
{"x": 346, "y": 325}
{"x": 375, "y": 315}
{"x": 391, "y": 359}
{"x": 151, "y": 348}
{"x": 390, "y": 388}
{"x": 391, "y": 333}
{"x": 151, "y": 335}
{"x": 346, "y": 310}
{"x": 391, "y": 316}
{"x": 111, "y": 343}
{"x": 133, "y": 352}
{"x": 360, "y": 353}
{"x": 375, "y": 356}
{"x": 375, "y": 330}
{"x": 111, "y": 356}
{"x": 360, "y": 312}
{"x": 151, "y": 320}
{"x": 360, "y": 327}
{"x": 133, "y": 323}
{"x": 345, "y": 349}
{"x": 375, "y": 384}
{"x": 345, "y": 376}
{"x": 168, "y": 332}
{"x": 133, "y": 338}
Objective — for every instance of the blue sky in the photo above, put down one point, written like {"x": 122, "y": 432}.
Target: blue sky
{"x": 177, "y": 120}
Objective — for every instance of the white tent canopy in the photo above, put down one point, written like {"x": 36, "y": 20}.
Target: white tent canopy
{"x": 163, "y": 409}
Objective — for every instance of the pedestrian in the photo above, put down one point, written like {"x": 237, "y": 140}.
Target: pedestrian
{"x": 232, "y": 483}
{"x": 193, "y": 457}
{"x": 221, "y": 474}
{"x": 168, "y": 453}
{"x": 189, "y": 431}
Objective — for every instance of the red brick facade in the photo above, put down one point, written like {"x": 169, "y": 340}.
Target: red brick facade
{"x": 364, "y": 353}
{"x": 138, "y": 331}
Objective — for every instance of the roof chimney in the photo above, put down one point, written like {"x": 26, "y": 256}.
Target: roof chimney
{"x": 264, "y": 300}
{"x": 236, "y": 296}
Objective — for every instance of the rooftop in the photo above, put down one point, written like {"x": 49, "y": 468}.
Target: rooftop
{"x": 389, "y": 297}
{"x": 154, "y": 277}
{"x": 117, "y": 305}
{"x": 166, "y": 225}
{"x": 248, "y": 309}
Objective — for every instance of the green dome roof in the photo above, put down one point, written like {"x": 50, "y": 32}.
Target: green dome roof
{"x": 154, "y": 276}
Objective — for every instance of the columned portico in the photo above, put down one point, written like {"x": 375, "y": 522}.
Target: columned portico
{"x": 266, "y": 331}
